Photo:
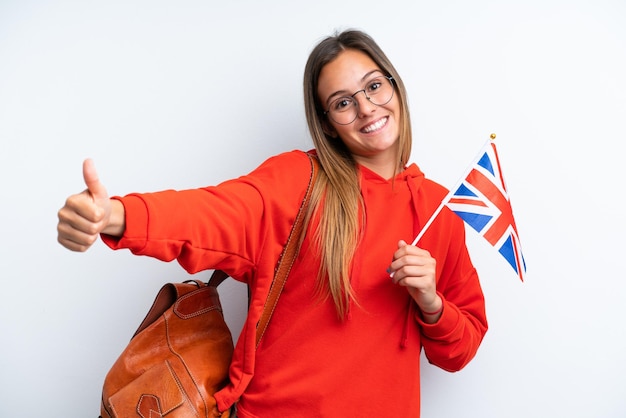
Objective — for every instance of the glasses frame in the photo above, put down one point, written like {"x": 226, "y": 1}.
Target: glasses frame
{"x": 356, "y": 103}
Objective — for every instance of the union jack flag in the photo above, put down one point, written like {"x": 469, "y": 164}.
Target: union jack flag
{"x": 482, "y": 201}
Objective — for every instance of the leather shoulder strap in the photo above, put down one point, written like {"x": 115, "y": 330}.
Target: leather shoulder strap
{"x": 286, "y": 260}
{"x": 217, "y": 278}
{"x": 287, "y": 257}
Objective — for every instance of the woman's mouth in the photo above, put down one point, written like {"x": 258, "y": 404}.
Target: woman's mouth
{"x": 375, "y": 126}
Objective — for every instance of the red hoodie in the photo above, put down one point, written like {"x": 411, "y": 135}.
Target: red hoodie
{"x": 309, "y": 363}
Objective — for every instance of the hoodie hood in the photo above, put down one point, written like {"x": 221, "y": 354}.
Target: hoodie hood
{"x": 411, "y": 177}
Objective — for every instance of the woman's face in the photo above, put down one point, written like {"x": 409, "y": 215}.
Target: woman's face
{"x": 373, "y": 135}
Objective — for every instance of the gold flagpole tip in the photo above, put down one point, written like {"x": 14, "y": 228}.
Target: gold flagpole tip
{"x": 492, "y": 136}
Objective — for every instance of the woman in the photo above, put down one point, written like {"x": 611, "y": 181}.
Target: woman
{"x": 360, "y": 303}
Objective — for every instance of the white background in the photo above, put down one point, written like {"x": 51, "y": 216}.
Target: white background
{"x": 188, "y": 93}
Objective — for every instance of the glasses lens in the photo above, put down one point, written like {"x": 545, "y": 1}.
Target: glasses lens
{"x": 379, "y": 91}
{"x": 344, "y": 110}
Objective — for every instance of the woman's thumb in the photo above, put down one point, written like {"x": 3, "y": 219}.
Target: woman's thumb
{"x": 90, "y": 175}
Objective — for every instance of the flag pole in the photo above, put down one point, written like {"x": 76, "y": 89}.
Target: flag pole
{"x": 432, "y": 218}
{"x": 492, "y": 137}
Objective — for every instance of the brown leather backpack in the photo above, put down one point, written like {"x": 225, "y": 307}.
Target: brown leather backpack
{"x": 177, "y": 359}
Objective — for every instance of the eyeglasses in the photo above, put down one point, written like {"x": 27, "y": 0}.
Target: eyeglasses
{"x": 378, "y": 91}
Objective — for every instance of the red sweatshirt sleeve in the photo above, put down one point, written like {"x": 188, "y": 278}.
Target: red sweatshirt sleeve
{"x": 228, "y": 226}
{"x": 454, "y": 339}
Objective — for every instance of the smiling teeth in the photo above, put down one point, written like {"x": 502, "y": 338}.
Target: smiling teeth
{"x": 375, "y": 126}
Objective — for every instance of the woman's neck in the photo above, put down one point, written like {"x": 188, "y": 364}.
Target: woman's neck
{"x": 385, "y": 168}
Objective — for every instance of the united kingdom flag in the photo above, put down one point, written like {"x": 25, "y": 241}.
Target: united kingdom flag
{"x": 482, "y": 201}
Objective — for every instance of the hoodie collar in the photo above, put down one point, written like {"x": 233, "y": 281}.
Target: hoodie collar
{"x": 410, "y": 172}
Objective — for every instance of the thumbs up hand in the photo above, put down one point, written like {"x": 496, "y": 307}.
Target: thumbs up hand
{"x": 88, "y": 214}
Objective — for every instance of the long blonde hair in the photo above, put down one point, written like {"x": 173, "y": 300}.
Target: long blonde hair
{"x": 336, "y": 191}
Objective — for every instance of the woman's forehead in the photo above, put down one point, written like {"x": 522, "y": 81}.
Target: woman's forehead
{"x": 346, "y": 72}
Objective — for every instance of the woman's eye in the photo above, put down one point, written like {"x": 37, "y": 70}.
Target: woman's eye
{"x": 343, "y": 103}
{"x": 373, "y": 86}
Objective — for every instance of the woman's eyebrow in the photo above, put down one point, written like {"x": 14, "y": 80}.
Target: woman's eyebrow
{"x": 369, "y": 73}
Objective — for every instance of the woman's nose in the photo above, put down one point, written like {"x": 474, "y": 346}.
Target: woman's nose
{"x": 364, "y": 105}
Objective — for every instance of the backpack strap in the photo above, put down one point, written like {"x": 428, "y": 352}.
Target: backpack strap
{"x": 287, "y": 257}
